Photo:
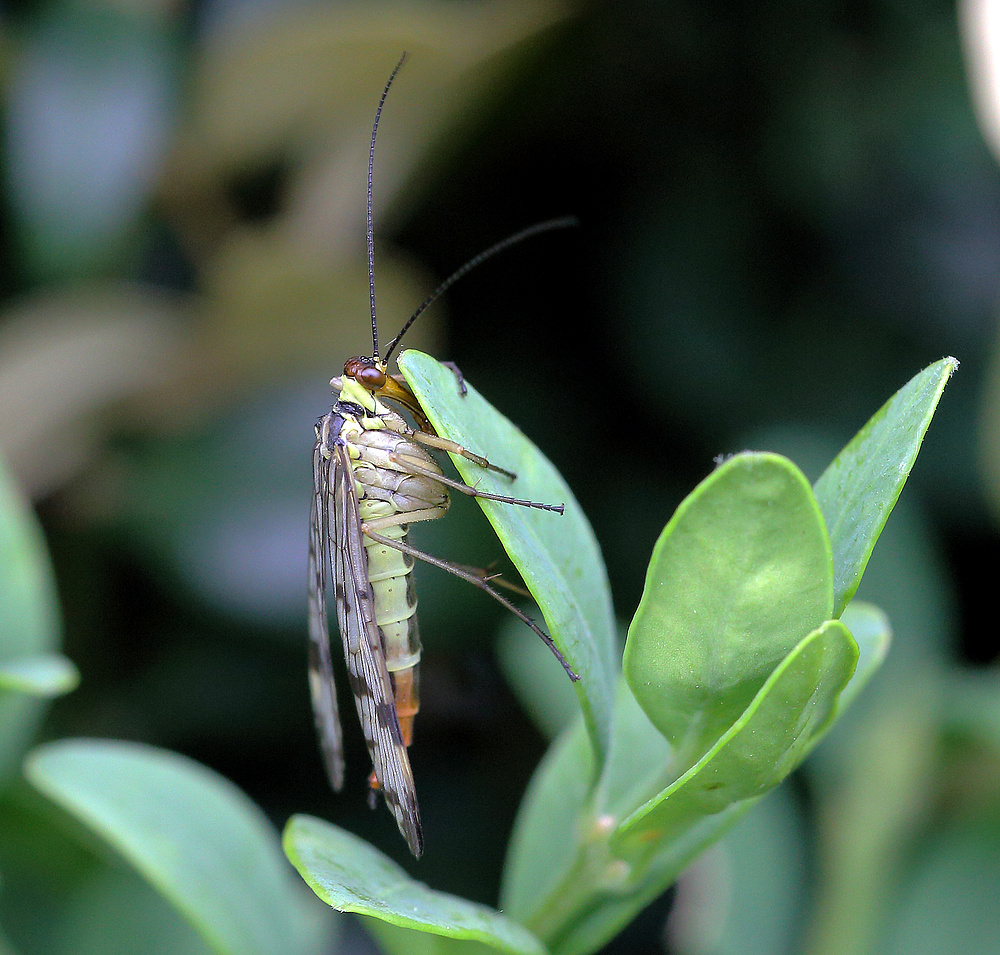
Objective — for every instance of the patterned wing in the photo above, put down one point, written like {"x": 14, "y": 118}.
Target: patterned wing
{"x": 321, "y": 685}
{"x": 365, "y": 657}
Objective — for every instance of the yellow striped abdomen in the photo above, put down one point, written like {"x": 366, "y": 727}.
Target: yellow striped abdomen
{"x": 387, "y": 492}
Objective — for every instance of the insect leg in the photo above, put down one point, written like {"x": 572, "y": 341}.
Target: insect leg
{"x": 414, "y": 467}
{"x": 444, "y": 444}
{"x": 495, "y": 577}
{"x": 458, "y": 571}
{"x": 407, "y": 517}
{"x": 432, "y": 514}
{"x": 457, "y": 372}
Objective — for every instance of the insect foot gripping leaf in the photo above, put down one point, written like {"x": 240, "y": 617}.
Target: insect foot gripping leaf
{"x": 737, "y": 662}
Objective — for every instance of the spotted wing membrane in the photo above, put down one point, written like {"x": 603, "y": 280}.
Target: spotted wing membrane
{"x": 336, "y": 542}
{"x": 321, "y": 684}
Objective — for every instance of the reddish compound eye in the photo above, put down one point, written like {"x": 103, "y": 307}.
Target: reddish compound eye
{"x": 372, "y": 378}
{"x": 365, "y": 373}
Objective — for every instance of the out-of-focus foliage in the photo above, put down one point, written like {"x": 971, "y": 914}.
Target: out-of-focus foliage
{"x": 201, "y": 842}
{"x": 31, "y": 669}
{"x": 786, "y": 210}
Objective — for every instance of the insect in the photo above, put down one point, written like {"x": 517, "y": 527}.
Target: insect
{"x": 372, "y": 478}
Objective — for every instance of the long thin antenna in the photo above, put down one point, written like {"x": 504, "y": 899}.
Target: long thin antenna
{"x": 549, "y": 224}
{"x": 371, "y": 230}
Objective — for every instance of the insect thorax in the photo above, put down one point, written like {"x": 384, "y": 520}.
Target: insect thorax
{"x": 384, "y": 456}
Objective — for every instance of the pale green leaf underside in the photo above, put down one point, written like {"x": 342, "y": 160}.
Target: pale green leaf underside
{"x": 352, "y": 876}
{"x": 193, "y": 835}
{"x": 557, "y": 556}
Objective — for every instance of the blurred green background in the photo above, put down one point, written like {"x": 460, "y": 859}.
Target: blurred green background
{"x": 786, "y": 210}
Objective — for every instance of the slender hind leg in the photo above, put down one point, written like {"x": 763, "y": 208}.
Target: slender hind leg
{"x": 369, "y": 530}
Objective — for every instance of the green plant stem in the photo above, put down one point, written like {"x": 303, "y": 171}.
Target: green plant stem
{"x": 572, "y": 895}
{"x": 594, "y": 871}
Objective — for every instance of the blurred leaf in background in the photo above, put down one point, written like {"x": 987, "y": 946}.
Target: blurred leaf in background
{"x": 91, "y": 105}
{"x": 31, "y": 669}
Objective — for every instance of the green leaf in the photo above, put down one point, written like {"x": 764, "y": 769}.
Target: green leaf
{"x": 550, "y": 824}
{"x": 873, "y": 634}
{"x": 741, "y": 573}
{"x": 557, "y": 556}
{"x": 44, "y": 675}
{"x": 352, "y": 876}
{"x": 29, "y": 620}
{"x": 734, "y": 623}
{"x": 537, "y": 679}
{"x": 858, "y": 490}
{"x": 193, "y": 835}
{"x": 87, "y": 919}
{"x": 650, "y": 848}
{"x": 769, "y": 740}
